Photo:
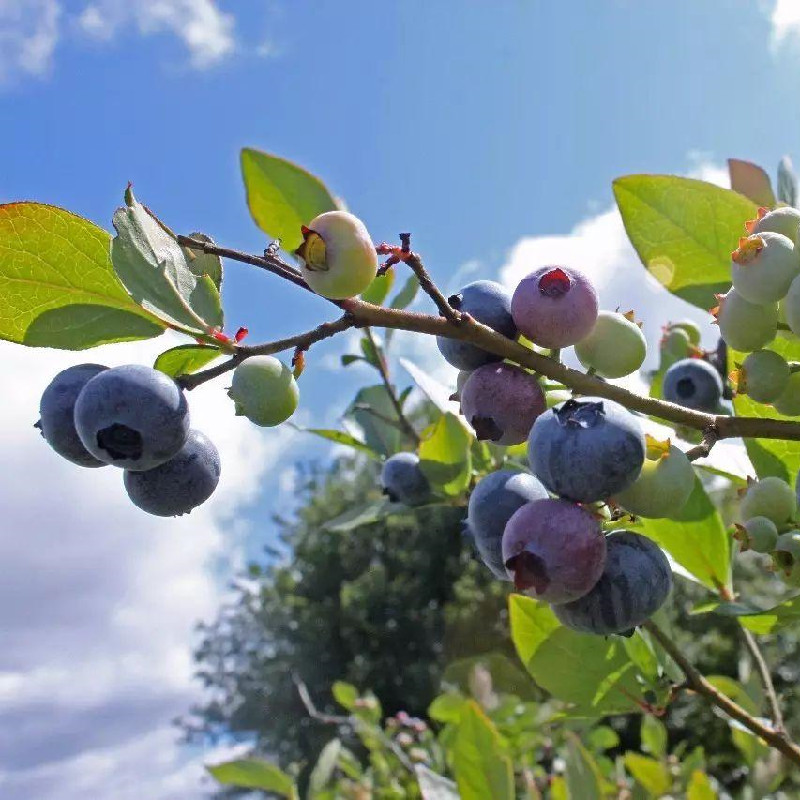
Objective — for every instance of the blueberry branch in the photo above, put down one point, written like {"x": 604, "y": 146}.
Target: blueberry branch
{"x": 366, "y": 314}
{"x": 302, "y": 340}
{"x": 352, "y": 721}
{"x": 696, "y": 682}
{"x": 766, "y": 679}
{"x": 383, "y": 371}
{"x": 702, "y": 450}
{"x": 405, "y": 254}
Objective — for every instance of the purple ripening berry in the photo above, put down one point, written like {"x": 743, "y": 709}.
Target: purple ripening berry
{"x": 554, "y": 550}
{"x": 501, "y": 402}
{"x": 554, "y": 306}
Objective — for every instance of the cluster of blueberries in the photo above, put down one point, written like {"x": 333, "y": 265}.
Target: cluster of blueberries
{"x": 543, "y": 530}
{"x": 136, "y": 418}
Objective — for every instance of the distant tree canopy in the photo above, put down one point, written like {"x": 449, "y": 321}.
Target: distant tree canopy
{"x": 387, "y": 606}
{"x": 384, "y": 605}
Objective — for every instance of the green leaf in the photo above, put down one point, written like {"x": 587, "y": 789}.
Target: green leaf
{"x": 152, "y": 266}
{"x": 700, "y": 788}
{"x": 435, "y": 391}
{"x": 584, "y": 779}
{"x": 379, "y": 435}
{"x": 643, "y": 656}
{"x": 445, "y": 455}
{"x": 558, "y": 789}
{"x": 340, "y": 437}
{"x": 324, "y": 768}
{"x": 786, "y": 614}
{"x": 349, "y": 359}
{"x": 201, "y": 263}
{"x": 403, "y": 299}
{"x": 57, "y": 285}
{"x": 654, "y": 736}
{"x": 507, "y": 677}
{"x": 649, "y": 773}
{"x": 735, "y": 691}
{"x": 433, "y": 786}
{"x": 748, "y": 744}
{"x": 787, "y": 182}
{"x": 602, "y": 737}
{"x": 447, "y": 707}
{"x": 255, "y": 774}
{"x": 751, "y": 181}
{"x": 372, "y": 353}
{"x": 592, "y": 673}
{"x": 360, "y": 515}
{"x": 696, "y": 539}
{"x": 770, "y": 456}
{"x": 345, "y": 694}
{"x": 684, "y": 231}
{"x": 481, "y": 764}
{"x": 380, "y": 287}
{"x": 185, "y": 359}
{"x": 282, "y": 197}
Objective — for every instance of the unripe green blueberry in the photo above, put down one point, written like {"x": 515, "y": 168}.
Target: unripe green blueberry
{"x": 764, "y": 266}
{"x": 674, "y": 346}
{"x": 791, "y": 307}
{"x": 759, "y": 534}
{"x": 691, "y": 329}
{"x": 264, "y": 390}
{"x": 743, "y": 325}
{"x": 770, "y": 497}
{"x": 615, "y": 347}
{"x": 788, "y": 402}
{"x": 786, "y": 557}
{"x": 663, "y": 485}
{"x": 339, "y": 258}
{"x": 785, "y": 220}
{"x": 763, "y": 376}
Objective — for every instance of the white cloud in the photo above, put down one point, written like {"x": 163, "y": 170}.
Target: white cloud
{"x": 206, "y": 31}
{"x": 99, "y": 600}
{"x": 785, "y": 21}
{"x": 29, "y": 31}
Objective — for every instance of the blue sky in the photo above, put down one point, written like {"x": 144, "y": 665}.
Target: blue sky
{"x": 492, "y": 131}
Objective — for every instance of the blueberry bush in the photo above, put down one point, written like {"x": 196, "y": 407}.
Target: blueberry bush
{"x": 565, "y": 495}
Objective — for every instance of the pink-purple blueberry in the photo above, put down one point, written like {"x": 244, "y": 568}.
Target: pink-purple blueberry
{"x": 501, "y": 402}
{"x": 554, "y": 306}
{"x": 553, "y": 550}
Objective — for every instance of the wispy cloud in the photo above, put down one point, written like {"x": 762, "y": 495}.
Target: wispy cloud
{"x": 31, "y": 30}
{"x": 29, "y": 33}
{"x": 206, "y": 31}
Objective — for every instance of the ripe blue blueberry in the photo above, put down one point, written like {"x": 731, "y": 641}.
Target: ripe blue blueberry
{"x": 554, "y": 550}
{"x": 177, "y": 486}
{"x": 403, "y": 481}
{"x": 586, "y": 450}
{"x": 555, "y": 306}
{"x": 693, "y": 383}
{"x": 489, "y": 303}
{"x": 132, "y": 416}
{"x": 634, "y": 585}
{"x": 501, "y": 402}
{"x": 492, "y": 502}
{"x": 56, "y": 414}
